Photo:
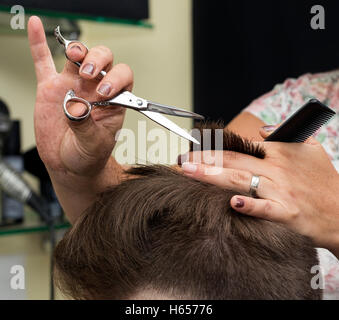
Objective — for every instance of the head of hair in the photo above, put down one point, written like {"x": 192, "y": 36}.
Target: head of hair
{"x": 165, "y": 233}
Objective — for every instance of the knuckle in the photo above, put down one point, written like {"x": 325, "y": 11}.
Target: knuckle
{"x": 103, "y": 49}
{"x": 115, "y": 79}
{"x": 126, "y": 69}
{"x": 209, "y": 157}
{"x": 281, "y": 151}
{"x": 125, "y": 77}
{"x": 120, "y": 76}
{"x": 267, "y": 209}
{"x": 250, "y": 206}
{"x": 293, "y": 213}
{"x": 40, "y": 52}
{"x": 278, "y": 169}
{"x": 230, "y": 155}
{"x": 237, "y": 178}
{"x": 195, "y": 156}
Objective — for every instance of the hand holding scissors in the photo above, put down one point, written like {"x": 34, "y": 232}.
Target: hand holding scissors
{"x": 126, "y": 99}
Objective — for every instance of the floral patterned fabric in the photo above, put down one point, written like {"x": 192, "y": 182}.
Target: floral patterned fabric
{"x": 277, "y": 105}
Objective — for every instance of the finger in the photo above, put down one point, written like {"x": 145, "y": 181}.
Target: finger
{"x": 259, "y": 208}
{"x": 43, "y": 62}
{"x": 265, "y": 131}
{"x": 226, "y": 159}
{"x": 119, "y": 78}
{"x": 97, "y": 59}
{"x": 76, "y": 52}
{"x": 230, "y": 179}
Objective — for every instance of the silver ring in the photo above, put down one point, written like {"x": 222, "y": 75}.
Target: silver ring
{"x": 254, "y": 186}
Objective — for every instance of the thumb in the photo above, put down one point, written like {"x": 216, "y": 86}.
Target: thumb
{"x": 265, "y": 131}
{"x": 43, "y": 61}
{"x": 85, "y": 129}
{"x": 92, "y": 139}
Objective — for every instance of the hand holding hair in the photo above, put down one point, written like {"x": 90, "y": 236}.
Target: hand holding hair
{"x": 298, "y": 186}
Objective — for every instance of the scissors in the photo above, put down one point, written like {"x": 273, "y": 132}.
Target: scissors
{"x": 126, "y": 99}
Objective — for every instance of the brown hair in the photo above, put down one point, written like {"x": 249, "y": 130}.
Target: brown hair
{"x": 179, "y": 237}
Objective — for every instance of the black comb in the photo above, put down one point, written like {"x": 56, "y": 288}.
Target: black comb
{"x": 303, "y": 123}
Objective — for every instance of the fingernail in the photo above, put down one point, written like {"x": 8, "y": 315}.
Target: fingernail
{"x": 88, "y": 68}
{"x": 105, "y": 89}
{"x": 268, "y": 128}
{"x": 189, "y": 167}
{"x": 76, "y": 47}
{"x": 240, "y": 203}
{"x": 182, "y": 158}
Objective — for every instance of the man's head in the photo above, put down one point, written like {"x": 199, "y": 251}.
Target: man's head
{"x": 164, "y": 235}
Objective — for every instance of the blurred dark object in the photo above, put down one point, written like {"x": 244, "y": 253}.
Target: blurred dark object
{"x": 15, "y": 191}
{"x": 47, "y": 191}
{"x": 8, "y": 204}
{"x": 34, "y": 165}
{"x": 12, "y": 209}
{"x": 242, "y": 50}
{"x": 5, "y": 124}
{"x": 3, "y": 108}
{"x": 12, "y": 142}
{"x": 124, "y": 9}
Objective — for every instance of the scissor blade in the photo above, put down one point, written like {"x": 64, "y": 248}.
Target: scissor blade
{"x": 168, "y": 124}
{"x": 173, "y": 111}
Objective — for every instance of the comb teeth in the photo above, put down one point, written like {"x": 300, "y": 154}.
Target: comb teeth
{"x": 303, "y": 123}
{"x": 310, "y": 128}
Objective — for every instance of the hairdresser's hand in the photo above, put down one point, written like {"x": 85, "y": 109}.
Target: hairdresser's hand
{"x": 299, "y": 187}
{"x": 76, "y": 154}
{"x": 79, "y": 147}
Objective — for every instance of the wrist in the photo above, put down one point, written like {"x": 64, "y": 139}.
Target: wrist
{"x": 77, "y": 192}
{"x": 108, "y": 175}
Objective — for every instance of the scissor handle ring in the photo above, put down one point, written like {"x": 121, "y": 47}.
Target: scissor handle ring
{"x": 70, "y": 42}
{"x": 70, "y": 97}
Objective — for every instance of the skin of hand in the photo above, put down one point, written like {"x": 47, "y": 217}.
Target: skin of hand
{"x": 77, "y": 155}
{"x": 298, "y": 186}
